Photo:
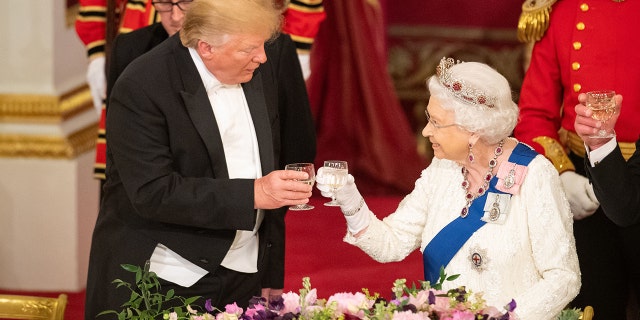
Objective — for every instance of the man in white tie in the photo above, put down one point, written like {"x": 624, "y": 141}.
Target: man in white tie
{"x": 198, "y": 129}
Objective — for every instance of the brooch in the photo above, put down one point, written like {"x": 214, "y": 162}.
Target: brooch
{"x": 496, "y": 207}
{"x": 510, "y": 177}
{"x": 478, "y": 258}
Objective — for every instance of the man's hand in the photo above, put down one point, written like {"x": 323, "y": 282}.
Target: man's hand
{"x": 281, "y": 188}
{"x": 97, "y": 80}
{"x": 586, "y": 126}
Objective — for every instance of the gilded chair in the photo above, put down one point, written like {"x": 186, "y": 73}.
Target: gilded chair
{"x": 32, "y": 307}
{"x": 587, "y": 314}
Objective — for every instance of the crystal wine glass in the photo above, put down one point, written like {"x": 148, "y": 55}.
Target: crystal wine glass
{"x": 603, "y": 105}
{"x": 310, "y": 170}
{"x": 335, "y": 175}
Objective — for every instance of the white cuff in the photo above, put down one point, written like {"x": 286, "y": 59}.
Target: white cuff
{"x": 597, "y": 155}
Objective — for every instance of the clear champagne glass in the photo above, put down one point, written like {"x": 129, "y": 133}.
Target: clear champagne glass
{"x": 603, "y": 105}
{"x": 335, "y": 175}
{"x": 311, "y": 171}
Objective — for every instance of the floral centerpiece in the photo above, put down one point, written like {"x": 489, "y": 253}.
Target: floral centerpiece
{"x": 422, "y": 301}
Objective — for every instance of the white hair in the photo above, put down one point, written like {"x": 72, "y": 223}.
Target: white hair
{"x": 491, "y": 124}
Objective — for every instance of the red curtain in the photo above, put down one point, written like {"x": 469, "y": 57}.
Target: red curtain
{"x": 357, "y": 113}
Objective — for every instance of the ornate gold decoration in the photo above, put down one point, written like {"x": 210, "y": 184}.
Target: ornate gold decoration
{"x": 534, "y": 19}
{"x": 32, "y": 307}
{"x": 46, "y": 109}
{"x": 38, "y": 146}
{"x": 554, "y": 151}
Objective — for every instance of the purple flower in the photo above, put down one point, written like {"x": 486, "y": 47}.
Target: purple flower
{"x": 511, "y": 305}
{"x": 208, "y": 306}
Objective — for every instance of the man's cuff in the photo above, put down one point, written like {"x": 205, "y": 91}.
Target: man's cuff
{"x": 597, "y": 155}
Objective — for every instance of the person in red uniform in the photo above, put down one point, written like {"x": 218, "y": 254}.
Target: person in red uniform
{"x": 589, "y": 45}
{"x": 91, "y": 27}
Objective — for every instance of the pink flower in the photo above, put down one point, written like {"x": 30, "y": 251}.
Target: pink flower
{"x": 291, "y": 303}
{"x": 419, "y": 300}
{"x": 408, "y": 315}
{"x": 350, "y": 303}
{"x": 442, "y": 303}
{"x": 311, "y": 297}
{"x": 231, "y": 312}
{"x": 251, "y": 312}
{"x": 462, "y": 315}
{"x": 233, "y": 309}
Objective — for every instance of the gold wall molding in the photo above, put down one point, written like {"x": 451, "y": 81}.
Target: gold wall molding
{"x": 38, "y": 146}
{"x": 46, "y": 110}
{"x": 35, "y": 108}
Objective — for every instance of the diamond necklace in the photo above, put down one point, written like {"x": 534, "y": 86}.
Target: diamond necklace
{"x": 485, "y": 185}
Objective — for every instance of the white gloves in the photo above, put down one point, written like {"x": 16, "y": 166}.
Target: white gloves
{"x": 97, "y": 80}
{"x": 351, "y": 202}
{"x": 579, "y": 191}
{"x": 305, "y": 64}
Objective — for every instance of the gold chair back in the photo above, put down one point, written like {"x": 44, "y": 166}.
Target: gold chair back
{"x": 587, "y": 314}
{"x": 32, "y": 307}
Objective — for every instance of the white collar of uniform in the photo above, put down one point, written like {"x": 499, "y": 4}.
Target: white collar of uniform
{"x": 211, "y": 83}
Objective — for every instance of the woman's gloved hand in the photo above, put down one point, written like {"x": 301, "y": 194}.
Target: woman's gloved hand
{"x": 351, "y": 202}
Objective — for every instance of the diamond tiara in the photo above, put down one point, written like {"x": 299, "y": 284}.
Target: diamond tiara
{"x": 459, "y": 88}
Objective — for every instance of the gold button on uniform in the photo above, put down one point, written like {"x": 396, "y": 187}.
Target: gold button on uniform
{"x": 580, "y": 26}
{"x": 577, "y": 87}
{"x": 577, "y": 45}
{"x": 575, "y": 66}
{"x": 584, "y": 7}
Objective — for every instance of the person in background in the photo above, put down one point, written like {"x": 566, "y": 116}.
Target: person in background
{"x": 91, "y": 27}
{"x": 193, "y": 183}
{"x": 616, "y": 181}
{"x": 488, "y": 208}
{"x": 589, "y": 45}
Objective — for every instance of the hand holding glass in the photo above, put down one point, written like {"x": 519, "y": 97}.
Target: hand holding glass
{"x": 335, "y": 175}
{"x": 310, "y": 170}
{"x": 603, "y": 105}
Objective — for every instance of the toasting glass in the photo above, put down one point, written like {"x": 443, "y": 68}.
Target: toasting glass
{"x": 335, "y": 175}
{"x": 310, "y": 170}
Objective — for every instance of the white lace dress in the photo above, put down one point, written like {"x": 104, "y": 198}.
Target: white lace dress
{"x": 530, "y": 256}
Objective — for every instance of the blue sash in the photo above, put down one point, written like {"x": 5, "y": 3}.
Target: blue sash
{"x": 444, "y": 246}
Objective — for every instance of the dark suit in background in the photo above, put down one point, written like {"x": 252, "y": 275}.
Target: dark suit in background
{"x": 616, "y": 183}
{"x": 167, "y": 179}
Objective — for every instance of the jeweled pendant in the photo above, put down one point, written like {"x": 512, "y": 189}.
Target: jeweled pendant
{"x": 510, "y": 179}
{"x": 465, "y": 212}
{"x": 494, "y": 213}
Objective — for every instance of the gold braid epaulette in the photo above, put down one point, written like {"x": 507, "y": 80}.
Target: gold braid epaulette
{"x": 554, "y": 151}
{"x": 534, "y": 20}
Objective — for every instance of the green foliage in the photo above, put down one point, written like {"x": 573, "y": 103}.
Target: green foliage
{"x": 146, "y": 300}
{"x": 570, "y": 314}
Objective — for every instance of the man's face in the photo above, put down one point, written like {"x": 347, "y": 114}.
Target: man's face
{"x": 172, "y": 20}
{"x": 235, "y": 61}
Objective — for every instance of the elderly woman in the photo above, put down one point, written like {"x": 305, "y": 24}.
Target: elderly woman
{"x": 487, "y": 208}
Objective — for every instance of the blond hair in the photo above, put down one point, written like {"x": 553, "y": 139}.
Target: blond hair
{"x": 213, "y": 20}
